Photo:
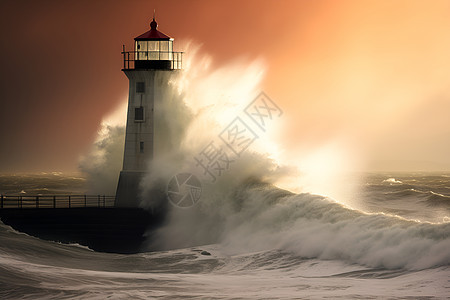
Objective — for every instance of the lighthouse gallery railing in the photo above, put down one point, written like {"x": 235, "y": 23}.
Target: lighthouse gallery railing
{"x": 130, "y": 57}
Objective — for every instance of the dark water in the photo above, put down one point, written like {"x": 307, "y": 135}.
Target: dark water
{"x": 419, "y": 196}
{"x": 42, "y": 184}
{"x": 273, "y": 245}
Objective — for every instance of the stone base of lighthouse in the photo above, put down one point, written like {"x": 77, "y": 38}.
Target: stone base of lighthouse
{"x": 128, "y": 192}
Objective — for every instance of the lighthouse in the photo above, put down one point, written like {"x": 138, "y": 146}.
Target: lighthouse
{"x": 149, "y": 69}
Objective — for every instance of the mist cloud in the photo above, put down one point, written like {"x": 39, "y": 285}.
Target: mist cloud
{"x": 103, "y": 163}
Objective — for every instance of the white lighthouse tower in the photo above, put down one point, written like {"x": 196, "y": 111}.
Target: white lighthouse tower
{"x": 148, "y": 68}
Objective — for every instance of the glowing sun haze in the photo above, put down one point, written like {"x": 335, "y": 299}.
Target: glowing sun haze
{"x": 363, "y": 84}
{"x": 373, "y": 76}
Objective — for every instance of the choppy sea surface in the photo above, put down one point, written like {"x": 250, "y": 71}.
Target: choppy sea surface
{"x": 268, "y": 244}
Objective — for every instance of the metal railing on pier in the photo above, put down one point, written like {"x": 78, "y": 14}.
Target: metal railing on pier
{"x": 55, "y": 201}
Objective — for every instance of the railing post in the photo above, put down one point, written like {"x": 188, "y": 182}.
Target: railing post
{"x": 85, "y": 202}
{"x": 123, "y": 51}
{"x": 54, "y": 201}
{"x": 69, "y": 201}
{"x": 1, "y": 203}
{"x": 37, "y": 201}
{"x": 20, "y": 201}
{"x": 103, "y": 201}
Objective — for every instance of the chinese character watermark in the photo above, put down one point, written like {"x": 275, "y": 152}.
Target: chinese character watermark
{"x": 238, "y": 136}
{"x": 262, "y": 110}
{"x": 184, "y": 189}
{"x": 213, "y": 160}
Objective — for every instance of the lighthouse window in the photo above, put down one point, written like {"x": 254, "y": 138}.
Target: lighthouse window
{"x": 139, "y": 114}
{"x": 153, "y": 46}
{"x": 140, "y": 87}
{"x": 141, "y": 147}
{"x": 153, "y": 50}
{"x": 164, "y": 47}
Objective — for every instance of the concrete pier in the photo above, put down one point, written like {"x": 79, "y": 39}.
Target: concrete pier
{"x": 116, "y": 230}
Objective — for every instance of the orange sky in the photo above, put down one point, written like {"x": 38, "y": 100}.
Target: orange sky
{"x": 370, "y": 76}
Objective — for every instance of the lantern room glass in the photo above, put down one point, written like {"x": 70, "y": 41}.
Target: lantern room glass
{"x": 154, "y": 50}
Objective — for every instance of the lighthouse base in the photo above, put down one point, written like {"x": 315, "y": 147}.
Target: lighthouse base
{"x": 128, "y": 192}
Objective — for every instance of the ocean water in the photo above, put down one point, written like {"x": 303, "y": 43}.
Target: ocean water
{"x": 264, "y": 243}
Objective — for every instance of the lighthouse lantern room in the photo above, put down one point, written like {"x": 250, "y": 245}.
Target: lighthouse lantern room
{"x": 153, "y": 50}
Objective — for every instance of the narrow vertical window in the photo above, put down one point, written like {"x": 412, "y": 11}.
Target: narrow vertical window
{"x": 141, "y": 147}
{"x": 140, "y": 87}
{"x": 139, "y": 114}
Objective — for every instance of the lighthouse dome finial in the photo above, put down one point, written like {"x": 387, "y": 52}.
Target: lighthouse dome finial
{"x": 153, "y": 24}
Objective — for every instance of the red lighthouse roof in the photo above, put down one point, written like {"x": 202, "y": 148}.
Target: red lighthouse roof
{"x": 152, "y": 34}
